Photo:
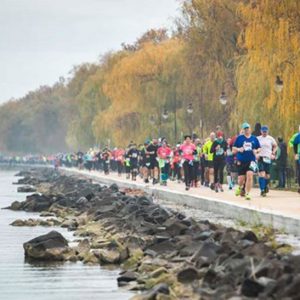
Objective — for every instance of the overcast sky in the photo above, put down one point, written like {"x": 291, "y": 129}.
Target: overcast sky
{"x": 41, "y": 40}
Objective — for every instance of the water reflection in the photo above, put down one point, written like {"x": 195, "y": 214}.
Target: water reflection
{"x": 25, "y": 279}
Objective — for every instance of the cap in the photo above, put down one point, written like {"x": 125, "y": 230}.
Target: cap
{"x": 245, "y": 125}
{"x": 264, "y": 128}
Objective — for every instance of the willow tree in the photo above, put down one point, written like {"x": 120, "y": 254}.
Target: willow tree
{"x": 136, "y": 86}
{"x": 268, "y": 74}
{"x": 210, "y": 30}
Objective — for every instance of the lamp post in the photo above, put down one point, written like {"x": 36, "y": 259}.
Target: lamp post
{"x": 165, "y": 114}
{"x": 223, "y": 99}
{"x": 279, "y": 85}
{"x": 190, "y": 111}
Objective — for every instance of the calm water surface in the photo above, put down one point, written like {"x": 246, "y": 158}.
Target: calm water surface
{"x": 21, "y": 280}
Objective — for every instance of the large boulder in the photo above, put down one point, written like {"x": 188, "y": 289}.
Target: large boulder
{"x": 26, "y": 189}
{"x": 51, "y": 246}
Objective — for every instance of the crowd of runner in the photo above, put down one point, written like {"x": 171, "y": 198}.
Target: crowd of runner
{"x": 194, "y": 162}
{"x": 198, "y": 162}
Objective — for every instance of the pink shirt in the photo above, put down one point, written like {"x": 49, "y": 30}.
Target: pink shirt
{"x": 187, "y": 151}
{"x": 164, "y": 152}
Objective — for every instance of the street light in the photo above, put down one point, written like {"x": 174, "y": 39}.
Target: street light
{"x": 165, "y": 114}
{"x": 278, "y": 84}
{"x": 223, "y": 98}
{"x": 190, "y": 108}
{"x": 152, "y": 120}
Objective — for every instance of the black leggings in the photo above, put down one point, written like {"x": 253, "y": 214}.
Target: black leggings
{"x": 196, "y": 170}
{"x": 120, "y": 167}
{"x": 298, "y": 172}
{"x": 188, "y": 173}
{"x": 219, "y": 171}
{"x": 177, "y": 171}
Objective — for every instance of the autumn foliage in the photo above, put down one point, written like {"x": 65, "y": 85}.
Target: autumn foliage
{"x": 237, "y": 47}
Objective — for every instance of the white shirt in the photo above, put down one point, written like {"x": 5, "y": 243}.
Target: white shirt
{"x": 266, "y": 143}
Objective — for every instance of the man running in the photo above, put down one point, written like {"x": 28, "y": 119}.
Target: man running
{"x": 266, "y": 155}
{"x": 133, "y": 155}
{"x": 246, "y": 147}
{"x": 291, "y": 144}
{"x": 218, "y": 149}
{"x": 209, "y": 164}
{"x": 296, "y": 144}
{"x": 151, "y": 150}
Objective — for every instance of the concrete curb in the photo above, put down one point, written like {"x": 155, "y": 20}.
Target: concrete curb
{"x": 237, "y": 212}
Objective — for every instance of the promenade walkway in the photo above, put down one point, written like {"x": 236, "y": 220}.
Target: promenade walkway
{"x": 280, "y": 209}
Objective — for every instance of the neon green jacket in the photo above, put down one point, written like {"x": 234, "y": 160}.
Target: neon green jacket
{"x": 206, "y": 150}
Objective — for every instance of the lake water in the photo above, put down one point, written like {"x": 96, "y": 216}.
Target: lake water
{"x": 20, "y": 280}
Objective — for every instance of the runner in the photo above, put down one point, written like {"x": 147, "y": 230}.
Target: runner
{"x": 281, "y": 162}
{"x": 188, "y": 150}
{"x": 197, "y": 158}
{"x": 119, "y": 157}
{"x": 209, "y": 165}
{"x": 145, "y": 162}
{"x": 296, "y": 144}
{"x": 176, "y": 164}
{"x": 231, "y": 164}
{"x": 246, "y": 147}
{"x": 127, "y": 162}
{"x": 218, "y": 149}
{"x": 106, "y": 156}
{"x": 164, "y": 154}
{"x": 297, "y": 165}
{"x": 266, "y": 155}
{"x": 151, "y": 150}
{"x": 133, "y": 155}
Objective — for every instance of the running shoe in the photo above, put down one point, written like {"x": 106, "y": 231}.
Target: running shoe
{"x": 247, "y": 197}
{"x": 238, "y": 191}
{"x": 263, "y": 193}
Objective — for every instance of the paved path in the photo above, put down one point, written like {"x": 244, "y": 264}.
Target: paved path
{"x": 282, "y": 208}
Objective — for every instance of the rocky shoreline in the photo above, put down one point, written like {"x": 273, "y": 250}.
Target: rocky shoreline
{"x": 162, "y": 253}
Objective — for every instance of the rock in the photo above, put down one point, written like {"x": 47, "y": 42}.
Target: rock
{"x": 47, "y": 214}
{"x": 17, "y": 222}
{"x": 126, "y": 276}
{"x": 208, "y": 249}
{"x": 109, "y": 256}
{"x": 16, "y": 205}
{"x": 51, "y": 246}
{"x": 163, "y": 247}
{"x": 114, "y": 188}
{"x": 259, "y": 250}
{"x": 176, "y": 228}
{"x": 26, "y": 189}
{"x": 82, "y": 202}
{"x": 251, "y": 288}
{"x": 71, "y": 224}
{"x": 161, "y": 288}
{"x": 90, "y": 258}
{"x": 158, "y": 272}
{"x": 29, "y": 222}
{"x": 83, "y": 246}
{"x": 187, "y": 275}
{"x": 204, "y": 235}
{"x": 250, "y": 236}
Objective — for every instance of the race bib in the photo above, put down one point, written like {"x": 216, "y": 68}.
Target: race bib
{"x": 220, "y": 152}
{"x": 134, "y": 155}
{"x": 253, "y": 166}
{"x": 267, "y": 160}
{"x": 229, "y": 152}
{"x": 247, "y": 146}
